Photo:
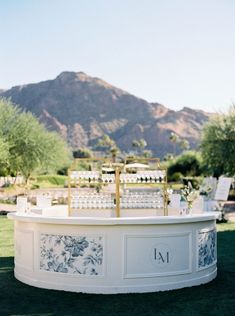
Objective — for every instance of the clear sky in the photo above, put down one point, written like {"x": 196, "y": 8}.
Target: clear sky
{"x": 175, "y": 52}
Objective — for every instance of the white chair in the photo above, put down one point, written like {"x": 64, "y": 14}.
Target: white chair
{"x": 221, "y": 194}
{"x": 174, "y": 206}
{"x": 43, "y": 201}
{"x": 211, "y": 184}
{"x": 223, "y": 188}
{"x": 22, "y": 204}
{"x": 198, "y": 205}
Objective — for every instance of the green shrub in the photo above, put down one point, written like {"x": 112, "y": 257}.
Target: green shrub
{"x": 63, "y": 171}
{"x": 52, "y": 179}
{"x": 34, "y": 186}
{"x": 83, "y": 166}
{"x": 8, "y": 200}
{"x": 176, "y": 177}
{"x": 82, "y": 153}
{"x": 188, "y": 164}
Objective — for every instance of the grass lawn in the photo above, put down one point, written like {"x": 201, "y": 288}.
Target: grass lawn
{"x": 50, "y": 181}
{"x": 214, "y": 298}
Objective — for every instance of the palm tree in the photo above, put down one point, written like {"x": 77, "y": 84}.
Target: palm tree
{"x": 174, "y": 139}
{"x": 109, "y": 146}
{"x": 184, "y": 144}
{"x": 139, "y": 145}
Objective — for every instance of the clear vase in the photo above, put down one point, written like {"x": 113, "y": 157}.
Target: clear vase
{"x": 189, "y": 209}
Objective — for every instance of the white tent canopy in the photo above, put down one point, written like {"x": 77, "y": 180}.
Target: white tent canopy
{"x": 106, "y": 169}
{"x": 136, "y": 165}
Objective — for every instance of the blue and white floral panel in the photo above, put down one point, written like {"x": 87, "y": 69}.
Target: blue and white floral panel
{"x": 81, "y": 255}
{"x": 206, "y": 248}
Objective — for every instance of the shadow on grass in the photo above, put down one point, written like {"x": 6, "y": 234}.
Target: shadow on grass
{"x": 214, "y": 298}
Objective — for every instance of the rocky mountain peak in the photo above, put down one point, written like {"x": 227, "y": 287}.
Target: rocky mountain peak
{"x": 81, "y": 78}
{"x": 71, "y": 75}
{"x": 83, "y": 108}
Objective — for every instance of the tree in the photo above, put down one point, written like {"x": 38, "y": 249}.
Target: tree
{"x": 188, "y": 164}
{"x": 218, "y": 144}
{"x": 114, "y": 151}
{"x": 30, "y": 146}
{"x": 4, "y": 151}
{"x": 109, "y": 146}
{"x": 82, "y": 153}
{"x": 168, "y": 157}
{"x": 147, "y": 153}
{"x": 174, "y": 139}
{"x": 139, "y": 145}
{"x": 4, "y": 156}
{"x": 184, "y": 144}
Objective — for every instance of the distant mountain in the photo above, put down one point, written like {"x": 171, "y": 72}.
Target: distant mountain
{"x": 82, "y": 109}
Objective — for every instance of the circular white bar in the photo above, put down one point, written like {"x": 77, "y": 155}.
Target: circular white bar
{"x": 115, "y": 255}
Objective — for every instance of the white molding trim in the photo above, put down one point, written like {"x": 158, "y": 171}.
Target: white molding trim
{"x": 31, "y": 233}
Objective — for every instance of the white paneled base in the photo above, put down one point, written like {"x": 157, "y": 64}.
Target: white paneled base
{"x": 119, "y": 255}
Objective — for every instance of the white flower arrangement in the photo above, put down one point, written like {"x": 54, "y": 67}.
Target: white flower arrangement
{"x": 189, "y": 194}
{"x": 169, "y": 192}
